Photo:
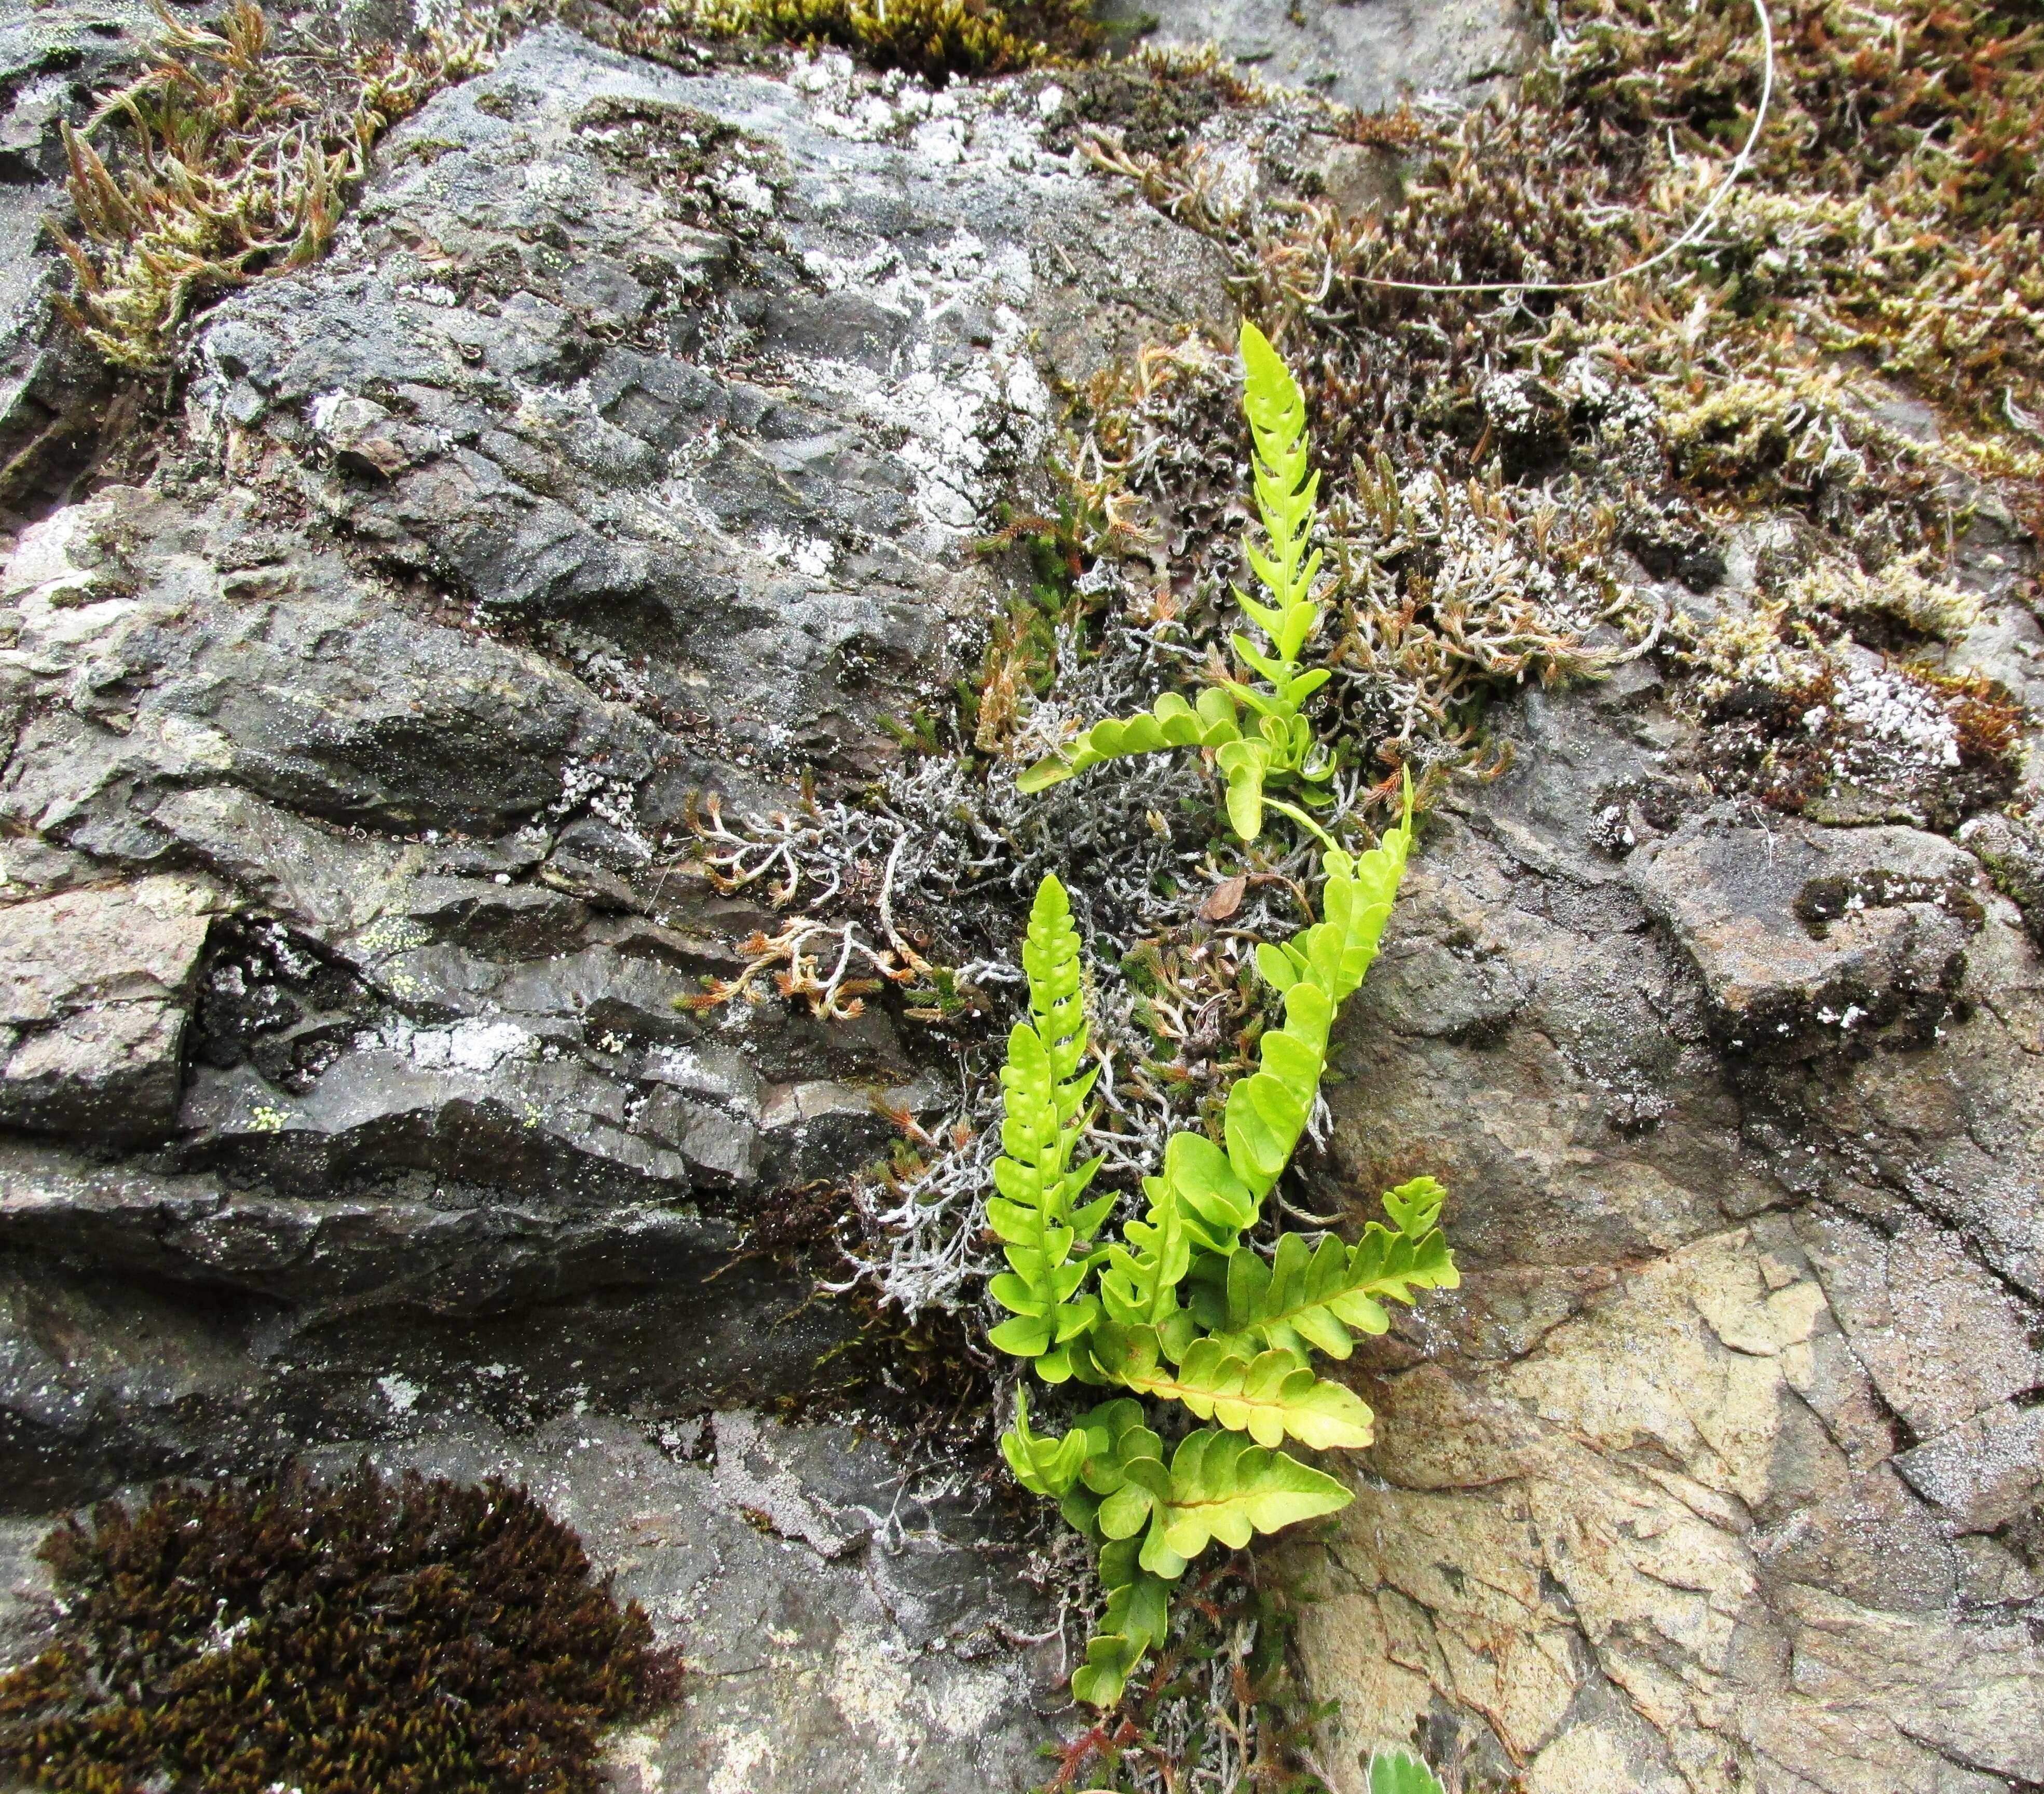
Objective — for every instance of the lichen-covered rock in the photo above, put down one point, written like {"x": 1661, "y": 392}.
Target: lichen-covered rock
{"x": 637, "y": 437}
{"x": 362, "y": 1089}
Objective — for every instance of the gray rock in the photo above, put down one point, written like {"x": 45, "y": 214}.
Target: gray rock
{"x": 850, "y": 1616}
{"x": 94, "y": 989}
{"x": 1679, "y": 1492}
{"x": 1365, "y": 53}
{"x": 1985, "y": 1474}
{"x": 1797, "y": 931}
{"x": 635, "y": 438}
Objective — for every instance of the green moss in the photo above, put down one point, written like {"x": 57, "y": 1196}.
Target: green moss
{"x": 937, "y": 39}
{"x": 1157, "y": 102}
{"x": 363, "y": 1637}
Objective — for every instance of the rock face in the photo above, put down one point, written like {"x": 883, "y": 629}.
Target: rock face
{"x": 1722, "y": 1470}
{"x": 97, "y": 986}
{"x": 634, "y": 440}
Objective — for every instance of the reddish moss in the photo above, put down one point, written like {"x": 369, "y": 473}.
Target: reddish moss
{"x": 363, "y": 1637}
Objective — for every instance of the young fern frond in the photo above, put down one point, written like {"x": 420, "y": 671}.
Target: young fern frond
{"x": 1171, "y": 723}
{"x": 1317, "y": 971}
{"x": 1043, "y": 1466}
{"x": 1205, "y": 1196}
{"x": 1034, "y": 1214}
{"x": 1245, "y": 1369}
{"x": 1278, "y": 745}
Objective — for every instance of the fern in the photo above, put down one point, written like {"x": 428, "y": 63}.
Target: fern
{"x": 1150, "y": 1521}
{"x": 1308, "y": 1298}
{"x": 1275, "y": 746}
{"x": 1043, "y": 1092}
{"x": 1184, "y": 1313}
{"x": 1271, "y": 1396}
{"x": 1396, "y": 1771}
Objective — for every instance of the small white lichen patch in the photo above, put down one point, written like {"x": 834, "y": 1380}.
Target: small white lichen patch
{"x": 474, "y": 1044}
{"x": 402, "y": 1392}
{"x": 1901, "y": 712}
{"x": 810, "y": 556}
{"x": 870, "y": 1688}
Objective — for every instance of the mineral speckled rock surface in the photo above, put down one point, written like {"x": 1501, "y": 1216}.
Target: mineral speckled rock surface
{"x": 634, "y": 440}
{"x": 345, "y": 759}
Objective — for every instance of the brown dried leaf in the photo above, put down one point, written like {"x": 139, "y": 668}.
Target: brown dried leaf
{"x": 1224, "y": 900}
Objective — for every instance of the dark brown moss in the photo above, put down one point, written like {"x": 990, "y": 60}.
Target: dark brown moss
{"x": 361, "y": 1637}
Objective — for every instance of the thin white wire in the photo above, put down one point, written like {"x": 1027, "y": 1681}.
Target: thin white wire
{"x": 1696, "y": 227}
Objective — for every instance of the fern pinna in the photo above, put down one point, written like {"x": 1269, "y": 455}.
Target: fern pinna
{"x": 1274, "y": 745}
{"x": 1186, "y": 1310}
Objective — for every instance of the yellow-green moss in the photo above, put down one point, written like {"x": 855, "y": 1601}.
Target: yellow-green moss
{"x": 937, "y": 39}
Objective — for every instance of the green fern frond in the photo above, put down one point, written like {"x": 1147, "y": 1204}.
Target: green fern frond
{"x": 1306, "y": 1297}
{"x": 1171, "y": 723}
{"x": 1279, "y": 749}
{"x": 1043, "y": 1466}
{"x": 1034, "y": 1215}
{"x": 1269, "y": 1395}
{"x": 1317, "y": 969}
{"x": 1151, "y": 1520}
{"x": 1137, "y": 1618}
{"x": 1220, "y": 1485}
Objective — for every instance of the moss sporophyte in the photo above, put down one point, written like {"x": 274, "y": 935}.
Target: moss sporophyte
{"x": 1186, "y": 1310}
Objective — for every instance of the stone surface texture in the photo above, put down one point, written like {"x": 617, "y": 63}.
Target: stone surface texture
{"x": 634, "y": 440}
{"x": 1722, "y": 1470}
{"x": 1364, "y": 53}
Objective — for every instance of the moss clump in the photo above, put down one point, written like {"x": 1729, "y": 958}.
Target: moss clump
{"x": 2011, "y": 848}
{"x": 358, "y": 1637}
{"x": 1156, "y": 100}
{"x": 235, "y": 161}
{"x": 1856, "y": 339}
{"x": 936, "y": 39}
